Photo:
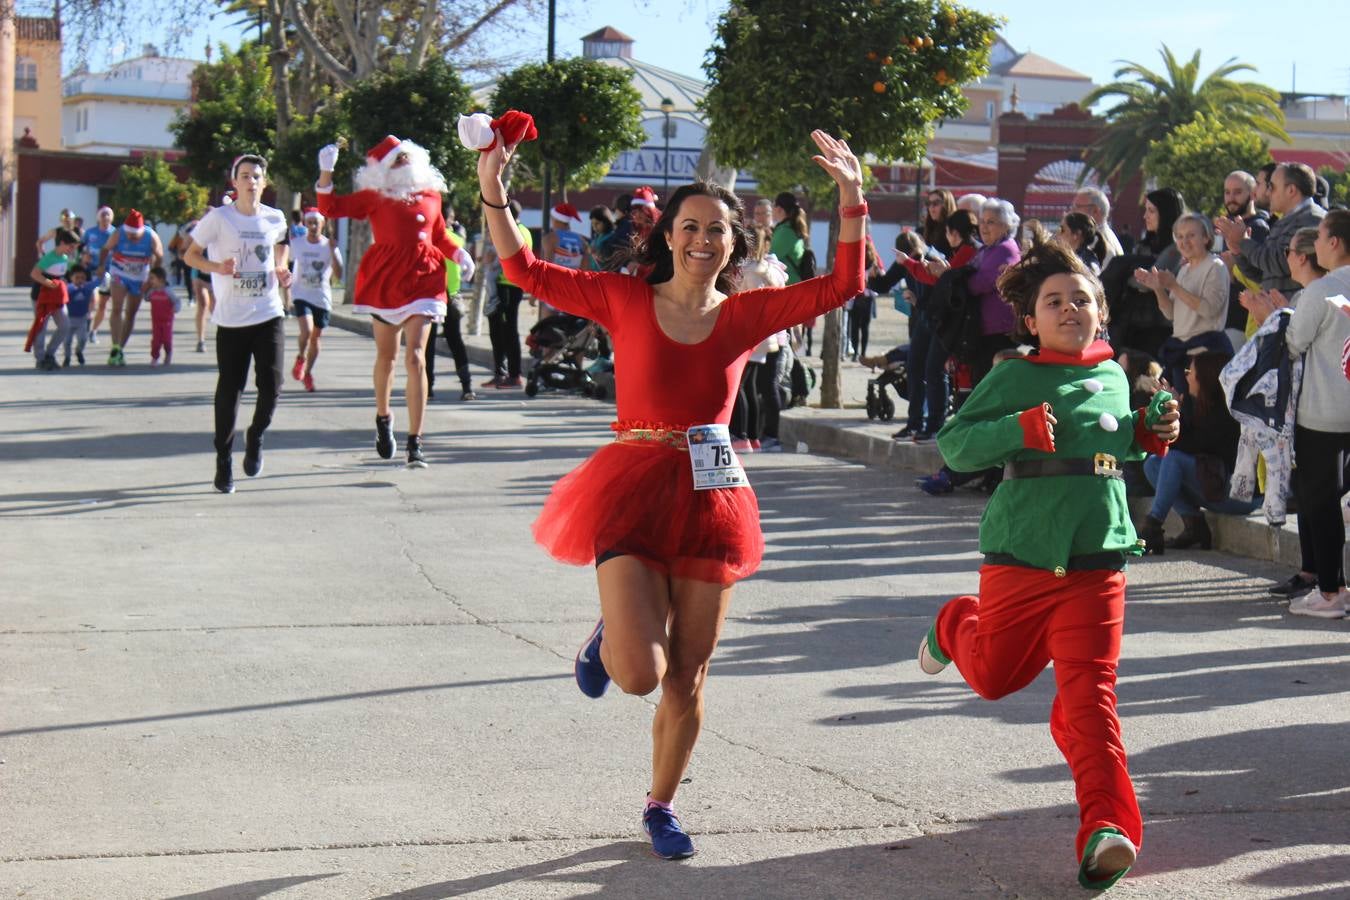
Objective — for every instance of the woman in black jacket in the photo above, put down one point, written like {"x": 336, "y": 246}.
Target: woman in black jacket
{"x": 1194, "y": 473}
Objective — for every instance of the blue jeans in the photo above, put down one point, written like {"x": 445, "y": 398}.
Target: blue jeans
{"x": 1176, "y": 485}
{"x": 927, "y": 376}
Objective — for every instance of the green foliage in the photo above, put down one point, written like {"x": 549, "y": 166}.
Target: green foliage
{"x": 421, "y": 105}
{"x": 878, "y": 73}
{"x": 587, "y": 113}
{"x": 1340, "y": 184}
{"x": 296, "y": 160}
{"x": 234, "y": 112}
{"x": 1154, "y": 104}
{"x": 1196, "y": 158}
{"x": 151, "y": 187}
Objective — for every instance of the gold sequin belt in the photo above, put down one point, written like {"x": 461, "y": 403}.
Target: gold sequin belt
{"x": 653, "y": 432}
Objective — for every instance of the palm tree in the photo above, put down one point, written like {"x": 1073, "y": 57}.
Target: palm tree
{"x": 1153, "y": 104}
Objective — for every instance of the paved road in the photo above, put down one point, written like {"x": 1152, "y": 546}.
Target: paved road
{"x": 349, "y": 680}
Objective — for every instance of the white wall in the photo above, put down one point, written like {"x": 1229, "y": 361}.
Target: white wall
{"x": 116, "y": 127}
{"x": 54, "y": 196}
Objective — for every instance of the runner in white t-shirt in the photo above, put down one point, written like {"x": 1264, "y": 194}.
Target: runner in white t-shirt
{"x": 315, "y": 262}
{"x": 248, "y": 267}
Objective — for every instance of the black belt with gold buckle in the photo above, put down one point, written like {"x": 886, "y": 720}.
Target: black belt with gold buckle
{"x": 1103, "y": 465}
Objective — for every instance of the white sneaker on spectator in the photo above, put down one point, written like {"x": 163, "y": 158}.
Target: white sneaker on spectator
{"x": 1319, "y": 605}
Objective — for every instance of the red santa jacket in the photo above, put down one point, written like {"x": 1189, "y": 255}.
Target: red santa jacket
{"x": 406, "y": 262}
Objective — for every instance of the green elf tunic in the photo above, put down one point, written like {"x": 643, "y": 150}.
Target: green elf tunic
{"x": 1045, "y": 522}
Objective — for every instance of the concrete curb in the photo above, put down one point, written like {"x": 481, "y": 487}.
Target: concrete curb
{"x": 854, "y": 437}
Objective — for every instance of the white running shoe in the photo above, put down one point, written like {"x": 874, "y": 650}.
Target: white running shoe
{"x": 1319, "y": 605}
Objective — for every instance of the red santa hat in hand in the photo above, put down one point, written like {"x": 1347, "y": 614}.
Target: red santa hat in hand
{"x": 566, "y": 212}
{"x": 645, "y": 196}
{"x": 134, "y": 221}
{"x": 479, "y": 131}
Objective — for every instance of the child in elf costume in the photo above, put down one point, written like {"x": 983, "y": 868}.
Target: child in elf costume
{"x": 1056, "y": 535}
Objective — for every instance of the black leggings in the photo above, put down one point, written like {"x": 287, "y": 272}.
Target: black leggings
{"x": 745, "y": 414}
{"x": 1318, "y": 486}
{"x": 859, "y": 322}
{"x": 265, "y": 345}
{"x": 504, "y": 332}
{"x": 455, "y": 339}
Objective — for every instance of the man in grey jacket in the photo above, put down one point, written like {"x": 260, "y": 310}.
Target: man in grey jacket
{"x": 1291, "y": 191}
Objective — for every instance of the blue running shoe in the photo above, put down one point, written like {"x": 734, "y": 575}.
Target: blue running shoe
{"x": 668, "y": 839}
{"x": 591, "y": 675}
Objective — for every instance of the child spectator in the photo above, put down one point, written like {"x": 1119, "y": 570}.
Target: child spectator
{"x": 81, "y": 294}
{"x": 163, "y": 304}
{"x": 1056, "y": 535}
{"x": 49, "y": 298}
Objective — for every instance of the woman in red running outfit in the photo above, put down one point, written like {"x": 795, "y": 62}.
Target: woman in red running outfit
{"x": 666, "y": 554}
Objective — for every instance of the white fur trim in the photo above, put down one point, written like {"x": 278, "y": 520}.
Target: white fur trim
{"x": 427, "y": 306}
{"x": 475, "y": 131}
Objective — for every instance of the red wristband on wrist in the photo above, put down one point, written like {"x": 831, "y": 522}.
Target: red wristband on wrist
{"x": 853, "y": 212}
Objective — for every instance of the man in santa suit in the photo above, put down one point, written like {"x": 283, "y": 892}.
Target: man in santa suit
{"x": 400, "y": 282}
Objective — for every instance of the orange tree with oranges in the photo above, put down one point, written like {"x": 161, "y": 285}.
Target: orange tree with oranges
{"x": 878, "y": 73}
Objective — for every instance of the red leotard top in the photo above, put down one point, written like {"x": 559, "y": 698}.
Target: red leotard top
{"x": 659, "y": 380}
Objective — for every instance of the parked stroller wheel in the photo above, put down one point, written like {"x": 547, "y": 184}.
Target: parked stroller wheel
{"x": 531, "y": 386}
{"x": 887, "y": 410}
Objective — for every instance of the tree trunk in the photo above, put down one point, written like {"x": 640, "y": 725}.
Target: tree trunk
{"x": 710, "y": 171}
{"x": 8, "y": 52}
{"x": 280, "y": 58}
{"x": 831, "y": 384}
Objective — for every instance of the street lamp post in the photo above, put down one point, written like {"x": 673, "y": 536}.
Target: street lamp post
{"x": 667, "y": 107}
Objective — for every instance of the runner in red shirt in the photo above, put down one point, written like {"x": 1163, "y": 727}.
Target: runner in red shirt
{"x": 669, "y": 542}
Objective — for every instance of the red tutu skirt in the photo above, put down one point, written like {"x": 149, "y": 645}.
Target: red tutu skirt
{"x": 637, "y": 498}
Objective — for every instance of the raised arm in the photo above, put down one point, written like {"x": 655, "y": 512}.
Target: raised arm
{"x": 771, "y": 310}
{"x": 575, "y": 291}
{"x": 331, "y": 204}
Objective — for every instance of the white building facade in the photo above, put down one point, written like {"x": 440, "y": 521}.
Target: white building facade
{"x": 128, "y": 108}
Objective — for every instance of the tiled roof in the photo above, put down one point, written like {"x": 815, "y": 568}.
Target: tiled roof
{"x": 32, "y": 28}
{"x": 1033, "y": 65}
{"x": 607, "y": 33}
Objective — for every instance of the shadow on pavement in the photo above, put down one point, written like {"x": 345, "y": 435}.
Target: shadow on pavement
{"x": 282, "y": 704}
{"x": 252, "y": 890}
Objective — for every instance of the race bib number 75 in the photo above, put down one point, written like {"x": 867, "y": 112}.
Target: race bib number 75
{"x": 714, "y": 462}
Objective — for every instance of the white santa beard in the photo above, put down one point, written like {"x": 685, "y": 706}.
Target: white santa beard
{"x": 401, "y": 182}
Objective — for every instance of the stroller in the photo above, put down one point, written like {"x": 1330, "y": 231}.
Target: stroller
{"x": 894, "y": 376}
{"x": 560, "y": 345}
{"x": 879, "y": 403}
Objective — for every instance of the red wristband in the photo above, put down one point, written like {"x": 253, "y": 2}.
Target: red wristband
{"x": 853, "y": 212}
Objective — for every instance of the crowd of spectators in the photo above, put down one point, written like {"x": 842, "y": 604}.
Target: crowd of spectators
{"x": 1235, "y": 313}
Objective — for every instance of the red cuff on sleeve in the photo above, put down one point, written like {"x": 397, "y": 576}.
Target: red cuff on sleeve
{"x": 1036, "y": 429}
{"x": 1145, "y": 438}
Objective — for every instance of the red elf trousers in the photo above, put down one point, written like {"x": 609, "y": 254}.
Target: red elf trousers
{"x": 1025, "y": 618}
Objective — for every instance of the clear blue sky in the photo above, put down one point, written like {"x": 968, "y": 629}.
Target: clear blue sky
{"x": 675, "y": 33}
